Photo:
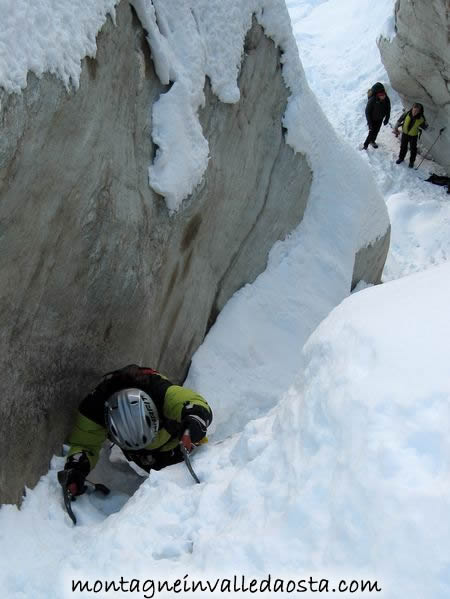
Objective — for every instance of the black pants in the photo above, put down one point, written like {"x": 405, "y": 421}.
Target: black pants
{"x": 373, "y": 132}
{"x": 406, "y": 140}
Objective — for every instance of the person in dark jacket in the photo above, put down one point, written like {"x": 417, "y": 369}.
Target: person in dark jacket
{"x": 143, "y": 413}
{"x": 378, "y": 111}
{"x": 411, "y": 121}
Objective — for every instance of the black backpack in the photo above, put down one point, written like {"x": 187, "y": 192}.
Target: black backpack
{"x": 439, "y": 180}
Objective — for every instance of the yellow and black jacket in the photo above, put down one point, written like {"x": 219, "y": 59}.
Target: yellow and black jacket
{"x": 412, "y": 125}
{"x": 174, "y": 404}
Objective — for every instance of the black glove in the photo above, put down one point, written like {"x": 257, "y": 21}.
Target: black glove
{"x": 386, "y": 121}
{"x": 196, "y": 425}
{"x": 76, "y": 469}
{"x": 196, "y": 419}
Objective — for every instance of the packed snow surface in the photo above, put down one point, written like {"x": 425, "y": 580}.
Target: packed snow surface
{"x": 336, "y": 41}
{"x": 329, "y": 457}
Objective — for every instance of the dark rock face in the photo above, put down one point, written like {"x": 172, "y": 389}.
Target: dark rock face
{"x": 94, "y": 272}
{"x": 418, "y": 64}
{"x": 369, "y": 261}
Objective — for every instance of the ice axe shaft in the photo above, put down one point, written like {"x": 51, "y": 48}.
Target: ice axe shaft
{"x": 435, "y": 141}
{"x": 67, "y": 495}
{"x": 187, "y": 459}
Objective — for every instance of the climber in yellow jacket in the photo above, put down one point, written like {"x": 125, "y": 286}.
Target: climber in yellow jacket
{"x": 411, "y": 121}
{"x": 143, "y": 413}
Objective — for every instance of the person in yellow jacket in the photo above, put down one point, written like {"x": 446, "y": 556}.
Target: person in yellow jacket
{"x": 411, "y": 121}
{"x": 142, "y": 412}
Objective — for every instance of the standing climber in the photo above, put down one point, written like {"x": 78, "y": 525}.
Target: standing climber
{"x": 378, "y": 108}
{"x": 412, "y": 122}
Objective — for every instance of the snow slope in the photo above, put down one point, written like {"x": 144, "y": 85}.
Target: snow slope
{"x": 336, "y": 44}
{"x": 330, "y": 456}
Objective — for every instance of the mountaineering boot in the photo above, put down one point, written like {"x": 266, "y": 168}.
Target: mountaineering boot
{"x": 399, "y": 160}
{"x": 411, "y": 164}
{"x": 373, "y": 144}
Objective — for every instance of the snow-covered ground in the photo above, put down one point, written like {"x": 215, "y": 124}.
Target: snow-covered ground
{"x": 330, "y": 455}
{"x": 336, "y": 41}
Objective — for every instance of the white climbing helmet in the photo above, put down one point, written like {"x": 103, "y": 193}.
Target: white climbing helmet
{"x": 132, "y": 418}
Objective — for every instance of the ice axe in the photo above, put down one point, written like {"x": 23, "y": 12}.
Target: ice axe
{"x": 68, "y": 497}
{"x": 439, "y": 135}
{"x": 186, "y": 445}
